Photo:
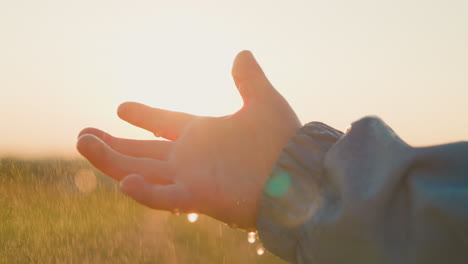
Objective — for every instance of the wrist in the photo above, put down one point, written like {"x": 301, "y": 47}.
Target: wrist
{"x": 291, "y": 195}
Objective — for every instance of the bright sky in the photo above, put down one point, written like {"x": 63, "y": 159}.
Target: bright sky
{"x": 65, "y": 65}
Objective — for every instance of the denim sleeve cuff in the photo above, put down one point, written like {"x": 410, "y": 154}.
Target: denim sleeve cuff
{"x": 292, "y": 193}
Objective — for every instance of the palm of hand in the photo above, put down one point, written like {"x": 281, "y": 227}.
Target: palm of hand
{"x": 214, "y": 165}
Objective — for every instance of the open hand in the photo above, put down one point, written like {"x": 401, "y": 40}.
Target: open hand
{"x": 211, "y": 165}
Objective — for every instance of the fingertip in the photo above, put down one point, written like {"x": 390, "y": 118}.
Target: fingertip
{"x": 90, "y": 130}
{"x": 249, "y": 77}
{"x": 88, "y": 144}
{"x": 132, "y": 184}
{"x": 124, "y": 108}
{"x": 243, "y": 62}
{"x": 244, "y": 53}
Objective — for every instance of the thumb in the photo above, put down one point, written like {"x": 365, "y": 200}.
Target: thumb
{"x": 249, "y": 77}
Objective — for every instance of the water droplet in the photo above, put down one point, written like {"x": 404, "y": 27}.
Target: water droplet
{"x": 252, "y": 237}
{"x": 260, "y": 250}
{"x": 192, "y": 217}
{"x": 176, "y": 211}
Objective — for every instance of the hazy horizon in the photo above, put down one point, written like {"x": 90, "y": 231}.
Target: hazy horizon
{"x": 66, "y": 65}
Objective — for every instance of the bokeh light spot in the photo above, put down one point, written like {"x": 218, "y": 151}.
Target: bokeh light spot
{"x": 85, "y": 180}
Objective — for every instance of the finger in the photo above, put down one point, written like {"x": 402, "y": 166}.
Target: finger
{"x": 117, "y": 165}
{"x": 164, "y": 197}
{"x": 249, "y": 77}
{"x": 163, "y": 123}
{"x": 153, "y": 149}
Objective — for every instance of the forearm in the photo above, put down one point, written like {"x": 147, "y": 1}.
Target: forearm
{"x": 365, "y": 197}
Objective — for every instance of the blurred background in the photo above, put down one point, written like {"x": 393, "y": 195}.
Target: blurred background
{"x": 66, "y": 65}
{"x": 64, "y": 211}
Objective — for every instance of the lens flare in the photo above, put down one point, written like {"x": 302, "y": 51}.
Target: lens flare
{"x": 278, "y": 184}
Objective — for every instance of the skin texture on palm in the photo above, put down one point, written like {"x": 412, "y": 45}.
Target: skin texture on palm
{"x": 212, "y": 165}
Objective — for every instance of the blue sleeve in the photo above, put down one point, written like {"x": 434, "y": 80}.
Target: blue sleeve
{"x": 366, "y": 197}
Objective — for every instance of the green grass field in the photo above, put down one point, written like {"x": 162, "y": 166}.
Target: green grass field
{"x": 51, "y": 213}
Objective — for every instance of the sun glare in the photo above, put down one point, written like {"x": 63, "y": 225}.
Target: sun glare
{"x": 179, "y": 73}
